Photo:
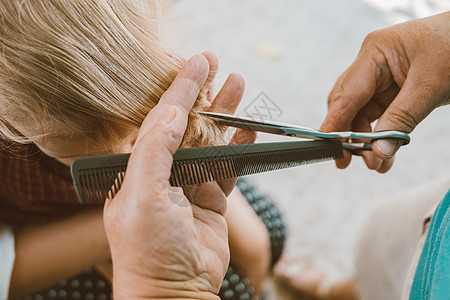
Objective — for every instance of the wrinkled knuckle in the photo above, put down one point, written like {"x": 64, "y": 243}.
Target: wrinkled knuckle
{"x": 338, "y": 89}
{"x": 342, "y": 103}
{"x": 374, "y": 37}
{"x": 377, "y": 45}
{"x": 370, "y": 39}
{"x": 342, "y": 94}
{"x": 337, "y": 97}
{"x": 402, "y": 118}
{"x": 333, "y": 96}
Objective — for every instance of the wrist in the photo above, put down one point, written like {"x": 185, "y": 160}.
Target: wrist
{"x": 138, "y": 288}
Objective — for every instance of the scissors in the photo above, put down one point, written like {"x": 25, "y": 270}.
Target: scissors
{"x": 354, "y": 141}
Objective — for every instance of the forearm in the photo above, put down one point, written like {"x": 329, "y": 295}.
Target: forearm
{"x": 48, "y": 253}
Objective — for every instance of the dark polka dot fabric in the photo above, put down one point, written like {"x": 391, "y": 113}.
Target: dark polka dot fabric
{"x": 269, "y": 213}
{"x": 236, "y": 286}
{"x": 91, "y": 285}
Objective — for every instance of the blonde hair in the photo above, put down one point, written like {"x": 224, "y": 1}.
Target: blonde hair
{"x": 85, "y": 70}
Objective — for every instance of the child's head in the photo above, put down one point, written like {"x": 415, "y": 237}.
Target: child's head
{"x": 78, "y": 77}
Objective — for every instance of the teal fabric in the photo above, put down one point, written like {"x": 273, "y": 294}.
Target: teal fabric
{"x": 432, "y": 277}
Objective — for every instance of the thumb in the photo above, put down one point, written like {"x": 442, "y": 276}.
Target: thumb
{"x": 416, "y": 100}
{"x": 162, "y": 130}
{"x": 151, "y": 160}
{"x": 160, "y": 135}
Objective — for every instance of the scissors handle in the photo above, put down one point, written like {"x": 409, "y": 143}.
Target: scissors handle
{"x": 351, "y": 136}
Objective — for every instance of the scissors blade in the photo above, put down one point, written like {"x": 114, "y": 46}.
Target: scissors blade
{"x": 261, "y": 126}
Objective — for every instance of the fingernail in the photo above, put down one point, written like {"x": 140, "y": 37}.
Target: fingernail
{"x": 388, "y": 147}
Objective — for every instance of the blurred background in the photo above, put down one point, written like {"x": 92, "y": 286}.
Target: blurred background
{"x": 291, "y": 52}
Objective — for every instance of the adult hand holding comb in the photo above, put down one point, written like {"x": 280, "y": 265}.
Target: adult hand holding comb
{"x": 161, "y": 244}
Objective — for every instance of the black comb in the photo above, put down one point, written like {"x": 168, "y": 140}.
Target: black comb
{"x": 97, "y": 178}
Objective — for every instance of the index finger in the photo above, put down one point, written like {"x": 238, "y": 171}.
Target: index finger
{"x": 185, "y": 88}
{"x": 182, "y": 93}
{"x": 351, "y": 93}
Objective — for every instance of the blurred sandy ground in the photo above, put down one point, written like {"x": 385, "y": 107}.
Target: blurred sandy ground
{"x": 293, "y": 51}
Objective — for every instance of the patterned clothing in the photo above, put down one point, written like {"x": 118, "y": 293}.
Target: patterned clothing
{"x": 35, "y": 187}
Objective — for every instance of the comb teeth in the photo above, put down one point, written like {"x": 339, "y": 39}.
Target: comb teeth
{"x": 99, "y": 183}
{"x": 195, "y": 171}
{"x": 99, "y": 178}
